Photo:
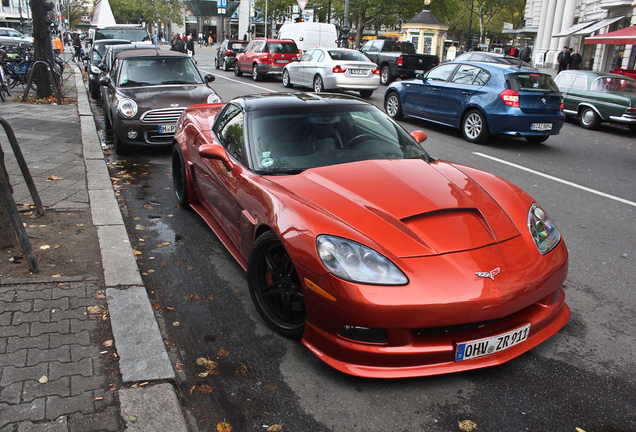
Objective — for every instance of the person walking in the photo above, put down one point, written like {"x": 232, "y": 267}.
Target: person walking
{"x": 178, "y": 44}
{"x": 524, "y": 55}
{"x": 77, "y": 45}
{"x": 564, "y": 59}
{"x": 576, "y": 60}
{"x": 190, "y": 45}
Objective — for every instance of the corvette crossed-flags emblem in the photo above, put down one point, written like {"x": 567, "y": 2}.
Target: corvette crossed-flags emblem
{"x": 491, "y": 274}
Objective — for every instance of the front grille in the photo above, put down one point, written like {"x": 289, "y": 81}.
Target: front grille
{"x": 157, "y": 138}
{"x": 161, "y": 116}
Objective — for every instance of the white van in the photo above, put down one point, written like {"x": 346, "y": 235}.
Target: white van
{"x": 310, "y": 34}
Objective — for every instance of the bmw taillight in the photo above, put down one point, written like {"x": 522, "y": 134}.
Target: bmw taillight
{"x": 400, "y": 61}
{"x": 338, "y": 69}
{"x": 376, "y": 71}
{"x": 510, "y": 98}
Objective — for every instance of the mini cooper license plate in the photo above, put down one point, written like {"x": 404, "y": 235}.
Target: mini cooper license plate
{"x": 491, "y": 345}
{"x": 166, "y": 129}
{"x": 540, "y": 126}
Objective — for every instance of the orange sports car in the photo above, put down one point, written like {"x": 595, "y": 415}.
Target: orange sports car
{"x": 388, "y": 262}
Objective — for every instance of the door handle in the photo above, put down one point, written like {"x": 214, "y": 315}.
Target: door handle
{"x": 467, "y": 93}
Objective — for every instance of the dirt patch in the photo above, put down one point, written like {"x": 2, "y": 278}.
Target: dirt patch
{"x": 65, "y": 243}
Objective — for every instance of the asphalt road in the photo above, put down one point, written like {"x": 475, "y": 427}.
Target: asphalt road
{"x": 582, "y": 377}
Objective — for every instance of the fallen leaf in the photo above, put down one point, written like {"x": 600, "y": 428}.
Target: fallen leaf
{"x": 169, "y": 308}
{"x": 275, "y": 428}
{"x": 223, "y": 353}
{"x": 79, "y": 225}
{"x": 100, "y": 296}
{"x": 224, "y": 427}
{"x": 140, "y": 227}
{"x": 467, "y": 425}
{"x": 271, "y": 386}
{"x": 57, "y": 247}
{"x": 176, "y": 323}
{"x": 53, "y": 178}
{"x": 136, "y": 252}
{"x": 43, "y": 379}
{"x": 132, "y": 418}
{"x": 579, "y": 430}
{"x": 203, "y": 374}
{"x": 94, "y": 310}
{"x": 179, "y": 262}
{"x": 108, "y": 343}
{"x": 56, "y": 275}
{"x": 45, "y": 247}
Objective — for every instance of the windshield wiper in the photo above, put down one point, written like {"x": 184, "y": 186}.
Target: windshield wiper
{"x": 176, "y": 82}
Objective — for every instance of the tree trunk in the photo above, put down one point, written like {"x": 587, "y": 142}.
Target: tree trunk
{"x": 42, "y": 43}
{"x": 7, "y": 233}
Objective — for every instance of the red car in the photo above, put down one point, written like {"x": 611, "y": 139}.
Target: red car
{"x": 388, "y": 262}
{"x": 265, "y": 56}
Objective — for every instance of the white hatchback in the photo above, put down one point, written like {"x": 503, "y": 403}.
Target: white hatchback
{"x": 333, "y": 69}
{"x": 12, "y": 37}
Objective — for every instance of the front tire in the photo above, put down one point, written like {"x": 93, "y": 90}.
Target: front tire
{"x": 287, "y": 79}
{"x": 385, "y": 75}
{"x": 216, "y": 62}
{"x": 275, "y": 286}
{"x": 225, "y": 68}
{"x": 120, "y": 147}
{"x": 179, "y": 177}
{"x": 589, "y": 119}
{"x": 474, "y": 127}
{"x": 393, "y": 106}
{"x": 319, "y": 87}
{"x": 237, "y": 70}
{"x": 94, "y": 90}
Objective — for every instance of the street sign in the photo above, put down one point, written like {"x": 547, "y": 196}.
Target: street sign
{"x": 302, "y": 3}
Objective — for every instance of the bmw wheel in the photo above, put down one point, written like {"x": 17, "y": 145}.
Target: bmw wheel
{"x": 393, "y": 106}
{"x": 275, "y": 286}
{"x": 474, "y": 127}
{"x": 179, "y": 177}
{"x": 287, "y": 79}
{"x": 318, "y": 85}
{"x": 589, "y": 119}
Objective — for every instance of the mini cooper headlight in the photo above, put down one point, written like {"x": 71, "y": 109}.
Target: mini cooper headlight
{"x": 545, "y": 235}
{"x": 354, "y": 262}
{"x": 127, "y": 108}
{"x": 214, "y": 98}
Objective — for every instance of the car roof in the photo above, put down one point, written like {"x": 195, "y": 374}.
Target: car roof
{"x": 111, "y": 41}
{"x": 273, "y": 100}
{"x": 150, "y": 53}
{"x": 596, "y": 74}
{"x": 505, "y": 68}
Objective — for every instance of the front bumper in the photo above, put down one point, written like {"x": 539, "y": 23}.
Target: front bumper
{"x": 146, "y": 134}
{"x": 423, "y": 324}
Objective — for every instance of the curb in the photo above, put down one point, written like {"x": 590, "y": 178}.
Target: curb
{"x": 142, "y": 353}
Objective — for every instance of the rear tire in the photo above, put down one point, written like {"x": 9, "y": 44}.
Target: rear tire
{"x": 180, "y": 177}
{"x": 474, "y": 127}
{"x": 287, "y": 79}
{"x": 256, "y": 75}
{"x": 319, "y": 87}
{"x": 225, "y": 68}
{"x": 537, "y": 139}
{"x": 216, "y": 62}
{"x": 589, "y": 119}
{"x": 385, "y": 75}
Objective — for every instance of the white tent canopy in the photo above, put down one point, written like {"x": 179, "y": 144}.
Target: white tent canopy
{"x": 103, "y": 15}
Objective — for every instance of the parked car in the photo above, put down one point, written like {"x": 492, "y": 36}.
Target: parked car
{"x": 388, "y": 262}
{"x": 145, "y": 92}
{"x": 94, "y": 57}
{"x": 12, "y": 37}
{"x": 265, "y": 56}
{"x": 482, "y": 99}
{"x": 130, "y": 32}
{"x": 397, "y": 59}
{"x": 491, "y": 57}
{"x": 309, "y": 35}
{"x": 226, "y": 53}
{"x": 111, "y": 54}
{"x": 597, "y": 97}
{"x": 333, "y": 69}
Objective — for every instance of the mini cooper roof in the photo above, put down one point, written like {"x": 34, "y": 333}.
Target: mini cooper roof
{"x": 150, "y": 52}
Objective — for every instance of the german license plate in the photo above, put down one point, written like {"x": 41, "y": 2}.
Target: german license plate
{"x": 167, "y": 129}
{"x": 358, "y": 71}
{"x": 540, "y": 126}
{"x": 282, "y": 61}
{"x": 419, "y": 71}
{"x": 491, "y": 345}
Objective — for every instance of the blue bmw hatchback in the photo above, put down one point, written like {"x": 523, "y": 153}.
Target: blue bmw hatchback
{"x": 482, "y": 99}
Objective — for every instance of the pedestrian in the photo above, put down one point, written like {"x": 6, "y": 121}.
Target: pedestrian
{"x": 513, "y": 51}
{"x": 154, "y": 39}
{"x": 190, "y": 45}
{"x": 77, "y": 45}
{"x": 576, "y": 60}
{"x": 210, "y": 39}
{"x": 524, "y": 55}
{"x": 563, "y": 59}
{"x": 178, "y": 45}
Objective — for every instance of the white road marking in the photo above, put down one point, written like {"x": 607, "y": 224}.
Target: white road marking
{"x": 556, "y": 179}
{"x": 237, "y": 81}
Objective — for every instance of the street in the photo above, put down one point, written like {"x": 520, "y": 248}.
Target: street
{"x": 582, "y": 377}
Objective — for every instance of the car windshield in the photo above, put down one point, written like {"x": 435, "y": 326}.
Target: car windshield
{"x": 156, "y": 71}
{"x": 133, "y": 35}
{"x": 614, "y": 84}
{"x": 291, "y": 140}
{"x": 533, "y": 82}
{"x": 345, "y": 55}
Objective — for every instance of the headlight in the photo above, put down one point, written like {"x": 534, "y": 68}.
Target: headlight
{"x": 545, "y": 235}
{"x": 127, "y": 107}
{"x": 95, "y": 70}
{"x": 354, "y": 262}
{"x": 214, "y": 98}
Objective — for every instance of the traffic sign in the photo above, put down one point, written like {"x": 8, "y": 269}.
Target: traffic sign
{"x": 302, "y": 3}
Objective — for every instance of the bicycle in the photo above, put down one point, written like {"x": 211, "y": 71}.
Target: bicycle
{"x": 65, "y": 68}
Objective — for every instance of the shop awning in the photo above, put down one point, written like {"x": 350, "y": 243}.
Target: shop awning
{"x": 573, "y": 29}
{"x": 599, "y": 25}
{"x": 625, "y": 36}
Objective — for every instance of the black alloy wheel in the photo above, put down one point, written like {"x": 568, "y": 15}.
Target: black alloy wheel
{"x": 275, "y": 287}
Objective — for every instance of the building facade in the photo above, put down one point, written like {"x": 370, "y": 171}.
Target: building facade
{"x": 16, "y": 14}
{"x": 560, "y": 23}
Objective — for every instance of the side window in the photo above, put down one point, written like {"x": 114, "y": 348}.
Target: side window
{"x": 250, "y": 48}
{"x": 320, "y": 56}
{"x": 565, "y": 80}
{"x": 113, "y": 70}
{"x": 441, "y": 73}
{"x": 580, "y": 82}
{"x": 258, "y": 47}
{"x": 482, "y": 78}
{"x": 466, "y": 74}
{"x": 307, "y": 55}
{"x": 229, "y": 130}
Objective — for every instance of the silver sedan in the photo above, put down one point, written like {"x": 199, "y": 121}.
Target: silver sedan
{"x": 334, "y": 69}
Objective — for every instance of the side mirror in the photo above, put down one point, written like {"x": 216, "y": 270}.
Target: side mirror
{"x": 420, "y": 136}
{"x": 102, "y": 67}
{"x": 419, "y": 76}
{"x": 104, "y": 81}
{"x": 209, "y": 78}
{"x": 216, "y": 152}
{"x": 295, "y": 59}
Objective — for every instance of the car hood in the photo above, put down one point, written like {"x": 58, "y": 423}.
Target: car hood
{"x": 160, "y": 96}
{"x": 408, "y": 207}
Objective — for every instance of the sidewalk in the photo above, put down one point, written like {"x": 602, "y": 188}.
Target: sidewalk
{"x": 59, "y": 367}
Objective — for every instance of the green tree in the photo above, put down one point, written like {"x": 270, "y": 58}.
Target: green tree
{"x": 73, "y": 11}
{"x": 149, "y": 11}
